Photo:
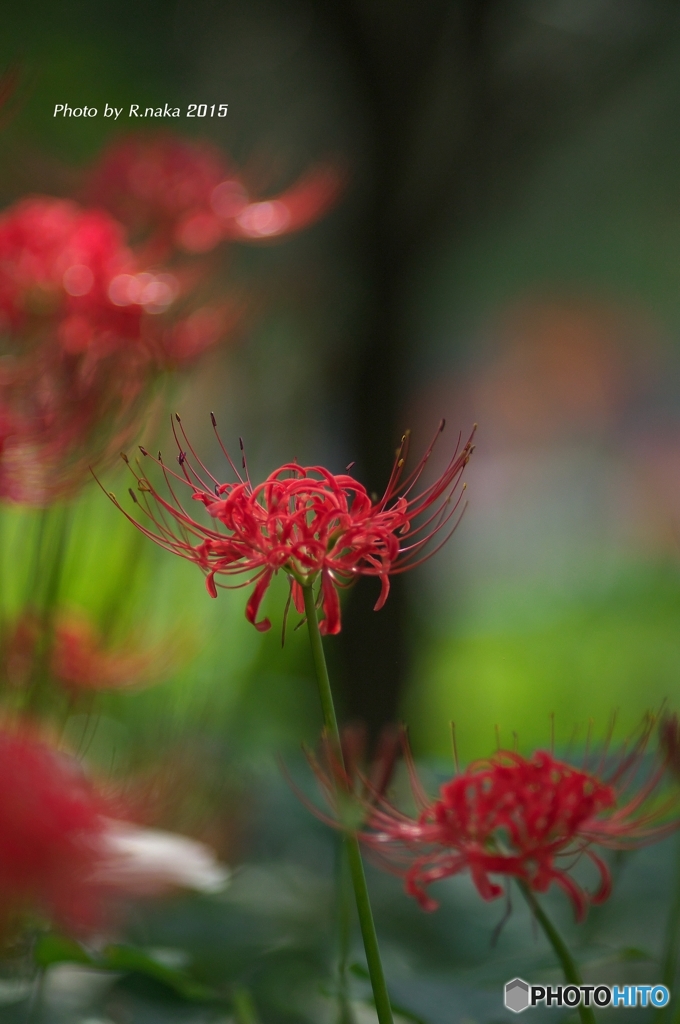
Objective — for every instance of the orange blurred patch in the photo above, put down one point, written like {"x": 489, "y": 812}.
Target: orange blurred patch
{"x": 561, "y": 366}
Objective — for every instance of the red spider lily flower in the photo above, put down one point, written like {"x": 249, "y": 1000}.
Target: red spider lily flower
{"x": 183, "y": 194}
{"x": 232, "y": 215}
{"x": 19, "y": 645}
{"x": 68, "y": 276}
{"x": 51, "y": 826}
{"x": 57, "y": 264}
{"x": 78, "y": 658}
{"x": 45, "y": 459}
{"x": 66, "y": 854}
{"x": 300, "y": 205}
{"x": 80, "y": 661}
{"x": 305, "y": 521}
{"x": 514, "y": 817}
{"x": 61, "y": 414}
{"x": 149, "y": 181}
{"x": 85, "y": 334}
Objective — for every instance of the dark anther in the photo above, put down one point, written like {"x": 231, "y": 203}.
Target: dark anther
{"x": 181, "y": 458}
{"x": 213, "y": 420}
{"x": 133, "y": 495}
{"x": 177, "y": 417}
{"x": 125, "y": 458}
{"x": 143, "y": 450}
{"x": 217, "y": 490}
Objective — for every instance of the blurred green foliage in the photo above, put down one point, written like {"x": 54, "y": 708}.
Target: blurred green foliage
{"x": 531, "y": 655}
{"x": 274, "y": 934}
{"x": 597, "y": 210}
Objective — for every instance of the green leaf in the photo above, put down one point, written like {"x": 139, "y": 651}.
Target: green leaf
{"x": 127, "y": 958}
{"x": 57, "y": 949}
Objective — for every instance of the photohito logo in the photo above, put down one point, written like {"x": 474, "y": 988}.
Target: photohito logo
{"x": 520, "y": 995}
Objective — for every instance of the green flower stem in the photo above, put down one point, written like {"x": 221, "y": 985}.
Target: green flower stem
{"x": 344, "y": 910}
{"x": 567, "y": 962}
{"x": 356, "y": 867}
{"x": 320, "y": 668}
{"x": 51, "y": 550}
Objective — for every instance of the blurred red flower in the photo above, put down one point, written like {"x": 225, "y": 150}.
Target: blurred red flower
{"x": 180, "y": 193}
{"x": 79, "y": 659}
{"x": 520, "y": 818}
{"x": 86, "y": 330}
{"x": 66, "y": 855}
{"x": 307, "y": 522}
{"x": 19, "y": 644}
{"x": 51, "y": 823}
{"x": 88, "y": 324}
{"x": 149, "y": 181}
{"x": 57, "y": 262}
{"x": 73, "y": 362}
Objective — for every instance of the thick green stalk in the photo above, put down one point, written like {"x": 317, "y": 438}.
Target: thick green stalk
{"x": 356, "y": 867}
{"x": 567, "y": 962}
{"x": 344, "y": 910}
{"x": 51, "y": 550}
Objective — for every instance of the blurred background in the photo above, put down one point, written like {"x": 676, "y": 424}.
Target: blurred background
{"x": 506, "y": 251}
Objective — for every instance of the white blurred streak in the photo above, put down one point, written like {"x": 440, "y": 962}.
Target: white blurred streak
{"x": 146, "y": 861}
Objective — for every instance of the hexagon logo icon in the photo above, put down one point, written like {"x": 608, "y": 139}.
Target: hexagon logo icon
{"x": 516, "y": 997}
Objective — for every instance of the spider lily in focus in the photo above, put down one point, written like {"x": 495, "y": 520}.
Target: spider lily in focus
{"x": 311, "y": 524}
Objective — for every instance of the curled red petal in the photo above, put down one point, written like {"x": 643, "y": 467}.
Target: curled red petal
{"x": 574, "y": 892}
{"x": 255, "y": 600}
{"x": 605, "y": 888}
{"x": 331, "y": 606}
{"x": 487, "y": 889}
{"x": 210, "y": 585}
{"x": 384, "y": 592}
{"x": 414, "y": 887}
{"x": 298, "y": 597}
